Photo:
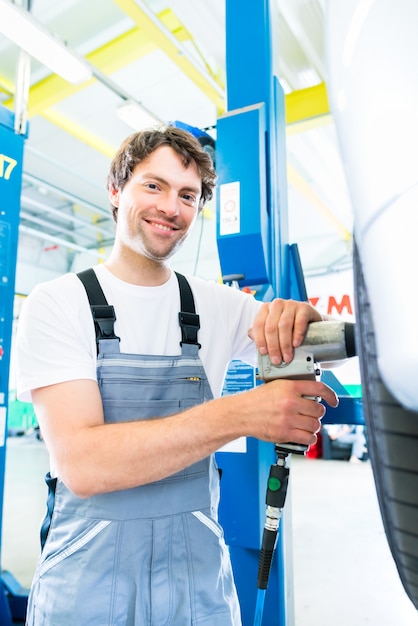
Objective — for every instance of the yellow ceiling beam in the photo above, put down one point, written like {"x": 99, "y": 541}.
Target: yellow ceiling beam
{"x": 122, "y": 50}
{"x": 50, "y": 91}
{"x": 173, "y": 24}
{"x": 212, "y": 89}
{"x": 80, "y": 133}
{"x": 307, "y": 108}
{"x": 6, "y": 86}
{"x": 304, "y": 103}
{"x": 180, "y": 32}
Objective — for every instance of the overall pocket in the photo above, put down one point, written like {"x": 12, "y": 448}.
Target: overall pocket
{"x": 74, "y": 578}
{"x": 215, "y": 597}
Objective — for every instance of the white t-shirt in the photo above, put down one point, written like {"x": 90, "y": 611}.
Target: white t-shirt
{"x": 56, "y": 339}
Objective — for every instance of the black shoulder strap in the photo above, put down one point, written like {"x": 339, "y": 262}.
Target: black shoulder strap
{"x": 188, "y": 319}
{"x": 103, "y": 313}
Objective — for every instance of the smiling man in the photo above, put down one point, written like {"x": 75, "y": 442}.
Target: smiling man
{"x": 159, "y": 205}
{"x": 124, "y": 364}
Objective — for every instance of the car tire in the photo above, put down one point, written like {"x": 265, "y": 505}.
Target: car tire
{"x": 393, "y": 446}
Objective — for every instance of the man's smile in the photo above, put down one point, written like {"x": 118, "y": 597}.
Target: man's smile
{"x": 160, "y": 226}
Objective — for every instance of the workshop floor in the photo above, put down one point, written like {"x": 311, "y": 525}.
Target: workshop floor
{"x": 343, "y": 573}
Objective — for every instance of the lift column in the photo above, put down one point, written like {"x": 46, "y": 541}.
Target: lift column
{"x": 11, "y": 156}
{"x": 252, "y": 237}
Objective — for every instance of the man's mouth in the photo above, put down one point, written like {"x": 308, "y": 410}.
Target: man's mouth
{"x": 164, "y": 227}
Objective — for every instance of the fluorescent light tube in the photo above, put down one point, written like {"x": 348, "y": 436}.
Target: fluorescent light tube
{"x": 136, "y": 116}
{"x": 22, "y": 29}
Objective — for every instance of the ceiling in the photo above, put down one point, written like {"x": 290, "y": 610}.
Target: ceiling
{"x": 169, "y": 55}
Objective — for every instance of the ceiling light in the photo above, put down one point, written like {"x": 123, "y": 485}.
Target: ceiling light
{"x": 135, "y": 115}
{"x": 20, "y": 27}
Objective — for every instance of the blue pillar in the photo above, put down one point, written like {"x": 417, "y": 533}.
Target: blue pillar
{"x": 251, "y": 151}
{"x": 11, "y": 156}
{"x": 252, "y": 236}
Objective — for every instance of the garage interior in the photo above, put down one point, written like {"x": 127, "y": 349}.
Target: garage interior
{"x": 166, "y": 61}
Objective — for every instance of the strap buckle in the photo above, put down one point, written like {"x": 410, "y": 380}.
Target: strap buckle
{"x": 190, "y": 324}
{"x": 104, "y": 318}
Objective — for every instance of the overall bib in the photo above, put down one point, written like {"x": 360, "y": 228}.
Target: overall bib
{"x": 152, "y": 555}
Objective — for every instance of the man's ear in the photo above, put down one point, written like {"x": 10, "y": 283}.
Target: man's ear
{"x": 114, "y": 196}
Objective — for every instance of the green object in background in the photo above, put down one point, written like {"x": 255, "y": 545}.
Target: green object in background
{"x": 21, "y": 416}
{"x": 354, "y": 390}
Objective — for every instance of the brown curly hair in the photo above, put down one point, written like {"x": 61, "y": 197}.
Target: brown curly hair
{"x": 141, "y": 145}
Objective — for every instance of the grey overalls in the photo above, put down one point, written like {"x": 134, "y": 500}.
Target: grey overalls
{"x": 153, "y": 555}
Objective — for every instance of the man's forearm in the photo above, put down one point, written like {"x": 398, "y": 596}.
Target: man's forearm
{"x": 109, "y": 457}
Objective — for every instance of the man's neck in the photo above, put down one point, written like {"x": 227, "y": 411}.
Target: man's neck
{"x": 139, "y": 271}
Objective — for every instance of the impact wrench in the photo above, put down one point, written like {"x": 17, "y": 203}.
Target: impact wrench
{"x": 324, "y": 343}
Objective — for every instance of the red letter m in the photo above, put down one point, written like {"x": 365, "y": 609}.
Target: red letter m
{"x": 344, "y": 304}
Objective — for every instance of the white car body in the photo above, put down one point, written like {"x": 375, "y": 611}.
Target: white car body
{"x": 372, "y": 55}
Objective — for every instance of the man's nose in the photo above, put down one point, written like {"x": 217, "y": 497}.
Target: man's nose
{"x": 169, "y": 204}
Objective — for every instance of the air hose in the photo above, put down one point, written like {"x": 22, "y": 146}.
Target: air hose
{"x": 275, "y": 499}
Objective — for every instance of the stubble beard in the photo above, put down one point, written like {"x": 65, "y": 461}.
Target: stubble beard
{"x": 143, "y": 245}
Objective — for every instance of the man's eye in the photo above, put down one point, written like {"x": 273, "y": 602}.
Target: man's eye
{"x": 189, "y": 198}
{"x": 151, "y": 185}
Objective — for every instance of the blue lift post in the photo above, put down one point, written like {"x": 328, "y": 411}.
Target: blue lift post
{"x": 13, "y": 598}
{"x": 252, "y": 236}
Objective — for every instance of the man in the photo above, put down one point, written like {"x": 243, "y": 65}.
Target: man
{"x": 350, "y": 434}
{"x": 130, "y": 421}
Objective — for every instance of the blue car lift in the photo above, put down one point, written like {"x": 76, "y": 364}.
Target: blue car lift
{"x": 254, "y": 252}
{"x": 13, "y": 598}
{"x": 252, "y": 237}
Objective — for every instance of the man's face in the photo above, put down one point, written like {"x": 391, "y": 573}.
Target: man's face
{"x": 158, "y": 205}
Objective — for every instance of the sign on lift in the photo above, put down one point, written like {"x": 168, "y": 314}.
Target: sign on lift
{"x": 230, "y": 210}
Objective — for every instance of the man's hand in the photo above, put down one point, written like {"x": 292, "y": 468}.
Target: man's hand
{"x": 283, "y": 410}
{"x": 280, "y": 326}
